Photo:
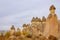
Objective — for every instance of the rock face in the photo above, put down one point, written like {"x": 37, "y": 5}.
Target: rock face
{"x": 51, "y": 23}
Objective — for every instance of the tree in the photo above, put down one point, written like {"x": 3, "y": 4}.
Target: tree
{"x": 18, "y": 33}
{"x": 25, "y": 33}
{"x": 7, "y": 35}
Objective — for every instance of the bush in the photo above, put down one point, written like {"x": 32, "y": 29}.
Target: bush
{"x": 29, "y": 36}
{"x": 52, "y": 37}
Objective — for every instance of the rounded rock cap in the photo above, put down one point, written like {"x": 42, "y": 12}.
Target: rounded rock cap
{"x": 52, "y": 7}
{"x": 13, "y": 27}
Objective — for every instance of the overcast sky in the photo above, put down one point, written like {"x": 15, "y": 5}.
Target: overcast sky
{"x": 18, "y": 12}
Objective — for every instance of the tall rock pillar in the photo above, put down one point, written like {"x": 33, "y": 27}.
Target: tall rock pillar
{"x": 51, "y": 23}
